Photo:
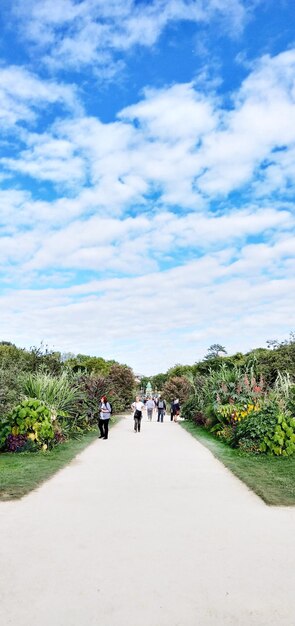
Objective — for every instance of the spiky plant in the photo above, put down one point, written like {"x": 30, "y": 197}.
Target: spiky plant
{"x": 58, "y": 393}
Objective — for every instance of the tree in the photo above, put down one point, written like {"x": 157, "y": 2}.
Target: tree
{"x": 121, "y": 382}
{"x": 214, "y": 351}
{"x": 177, "y": 387}
{"x": 178, "y": 370}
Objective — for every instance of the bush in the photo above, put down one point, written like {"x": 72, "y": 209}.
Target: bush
{"x": 226, "y": 434}
{"x": 60, "y": 394}
{"x": 190, "y": 410}
{"x": 268, "y": 430}
{"x": 30, "y": 421}
{"x": 291, "y": 400}
{"x": 177, "y": 387}
{"x": 10, "y": 388}
{"x": 282, "y": 441}
{"x": 257, "y": 425}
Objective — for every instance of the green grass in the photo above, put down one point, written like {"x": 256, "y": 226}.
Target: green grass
{"x": 22, "y": 472}
{"x": 271, "y": 478}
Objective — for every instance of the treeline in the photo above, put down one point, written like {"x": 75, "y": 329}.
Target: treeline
{"x": 94, "y": 376}
{"x": 276, "y": 357}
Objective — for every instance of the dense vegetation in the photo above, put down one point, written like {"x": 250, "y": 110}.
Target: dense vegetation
{"x": 245, "y": 400}
{"x": 47, "y": 398}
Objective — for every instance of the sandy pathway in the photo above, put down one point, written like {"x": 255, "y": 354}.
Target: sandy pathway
{"x": 146, "y": 530}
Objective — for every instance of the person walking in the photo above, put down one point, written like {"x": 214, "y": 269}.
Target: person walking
{"x": 137, "y": 406}
{"x": 104, "y": 418}
{"x": 161, "y": 409}
{"x": 175, "y": 409}
{"x": 150, "y": 405}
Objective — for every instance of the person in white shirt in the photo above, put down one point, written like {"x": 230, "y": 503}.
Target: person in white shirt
{"x": 150, "y": 405}
{"x": 137, "y": 406}
{"x": 104, "y": 418}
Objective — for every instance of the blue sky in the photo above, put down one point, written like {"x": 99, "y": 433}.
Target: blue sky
{"x": 147, "y": 176}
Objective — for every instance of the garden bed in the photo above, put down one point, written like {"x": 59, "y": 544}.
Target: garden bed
{"x": 20, "y": 473}
{"x": 271, "y": 478}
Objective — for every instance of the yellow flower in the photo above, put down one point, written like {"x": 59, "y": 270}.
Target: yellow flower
{"x": 32, "y": 436}
{"x": 44, "y": 447}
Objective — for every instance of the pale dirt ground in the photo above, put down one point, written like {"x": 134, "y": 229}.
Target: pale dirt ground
{"x": 146, "y": 530}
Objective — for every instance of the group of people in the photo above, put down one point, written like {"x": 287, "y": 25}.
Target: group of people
{"x": 151, "y": 404}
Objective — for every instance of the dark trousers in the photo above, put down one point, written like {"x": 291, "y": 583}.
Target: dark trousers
{"x": 103, "y": 426}
{"x": 137, "y": 424}
{"x": 161, "y": 415}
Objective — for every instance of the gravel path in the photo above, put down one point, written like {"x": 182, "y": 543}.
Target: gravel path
{"x": 146, "y": 530}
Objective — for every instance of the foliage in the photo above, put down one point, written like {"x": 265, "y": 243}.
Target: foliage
{"x": 190, "y": 410}
{"x": 283, "y": 386}
{"x": 291, "y": 400}
{"x": 158, "y": 381}
{"x": 31, "y": 419}
{"x": 90, "y": 364}
{"x": 60, "y": 394}
{"x": 10, "y": 388}
{"x": 282, "y": 441}
{"x": 259, "y": 424}
{"x": 269, "y": 431}
{"x": 121, "y": 383}
{"x": 243, "y": 411}
{"x": 177, "y": 387}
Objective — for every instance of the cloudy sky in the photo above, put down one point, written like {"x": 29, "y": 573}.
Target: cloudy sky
{"x": 147, "y": 176}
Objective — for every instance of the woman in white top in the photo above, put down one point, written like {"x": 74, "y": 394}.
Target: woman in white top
{"x": 104, "y": 418}
{"x": 137, "y": 406}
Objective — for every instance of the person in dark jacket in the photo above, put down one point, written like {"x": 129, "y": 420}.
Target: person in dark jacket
{"x": 175, "y": 409}
{"x": 161, "y": 405}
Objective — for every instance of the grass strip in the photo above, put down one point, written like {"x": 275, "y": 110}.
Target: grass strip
{"x": 271, "y": 478}
{"x": 22, "y": 472}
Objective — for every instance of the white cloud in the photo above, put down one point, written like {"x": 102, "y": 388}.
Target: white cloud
{"x": 23, "y": 95}
{"x": 152, "y": 209}
{"x": 263, "y": 118}
{"x": 178, "y": 143}
{"x": 184, "y": 309}
{"x": 136, "y": 245}
{"x": 91, "y": 32}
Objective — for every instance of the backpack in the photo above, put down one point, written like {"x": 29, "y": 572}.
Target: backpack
{"x": 161, "y": 404}
{"x": 108, "y": 403}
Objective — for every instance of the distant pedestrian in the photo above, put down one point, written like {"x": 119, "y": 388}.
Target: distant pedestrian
{"x": 175, "y": 409}
{"x": 161, "y": 404}
{"x": 150, "y": 405}
{"x": 104, "y": 418}
{"x": 137, "y": 406}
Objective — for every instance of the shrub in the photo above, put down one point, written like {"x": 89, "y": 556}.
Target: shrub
{"x": 190, "y": 410}
{"x": 177, "y": 387}
{"x": 282, "y": 441}
{"x": 29, "y": 421}
{"x": 60, "y": 394}
{"x": 268, "y": 430}
{"x": 257, "y": 425}
{"x": 10, "y": 388}
{"x": 291, "y": 400}
{"x": 225, "y": 434}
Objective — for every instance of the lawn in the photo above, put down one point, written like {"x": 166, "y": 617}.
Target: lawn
{"x": 271, "y": 478}
{"x": 22, "y": 472}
